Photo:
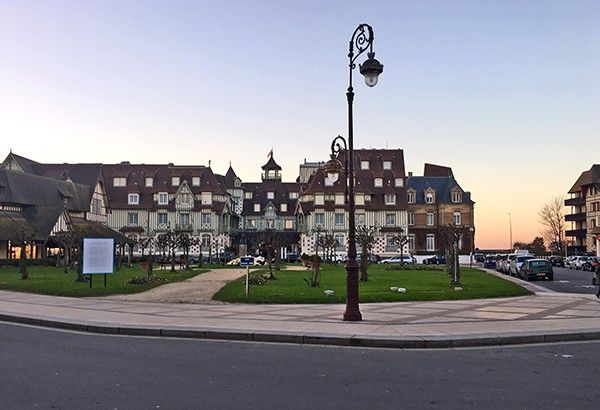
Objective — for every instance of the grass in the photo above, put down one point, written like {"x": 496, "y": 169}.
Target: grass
{"x": 49, "y": 280}
{"x": 290, "y": 287}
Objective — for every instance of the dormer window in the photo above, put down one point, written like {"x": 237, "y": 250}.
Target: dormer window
{"x": 387, "y": 164}
{"x": 378, "y": 182}
{"x": 411, "y": 197}
{"x": 283, "y": 207}
{"x": 270, "y": 195}
{"x": 248, "y": 195}
{"x": 149, "y": 181}
{"x": 364, "y": 165}
{"x": 196, "y": 181}
{"x": 237, "y": 183}
{"x": 390, "y": 199}
{"x": 429, "y": 198}
{"x": 293, "y": 195}
{"x": 456, "y": 196}
{"x": 133, "y": 199}
{"x": 119, "y": 181}
{"x": 399, "y": 182}
{"x": 256, "y": 207}
{"x": 175, "y": 181}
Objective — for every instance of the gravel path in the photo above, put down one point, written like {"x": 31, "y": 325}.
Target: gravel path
{"x": 199, "y": 289}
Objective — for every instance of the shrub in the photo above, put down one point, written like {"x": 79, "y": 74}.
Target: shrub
{"x": 257, "y": 279}
{"x": 30, "y": 262}
{"x": 410, "y": 266}
{"x": 145, "y": 280}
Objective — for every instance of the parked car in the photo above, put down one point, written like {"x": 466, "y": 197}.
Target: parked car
{"x": 479, "y": 257}
{"x": 371, "y": 258}
{"x": 536, "y": 269}
{"x": 499, "y": 261}
{"x": 578, "y": 261}
{"x": 399, "y": 259}
{"x": 591, "y": 264}
{"x": 505, "y": 263}
{"x": 490, "y": 262}
{"x": 556, "y": 261}
{"x": 292, "y": 258}
{"x": 435, "y": 260}
{"x": 517, "y": 262}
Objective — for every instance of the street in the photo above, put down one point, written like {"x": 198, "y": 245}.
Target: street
{"x": 44, "y": 368}
{"x": 570, "y": 281}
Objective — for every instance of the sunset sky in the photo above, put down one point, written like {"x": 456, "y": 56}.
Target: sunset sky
{"x": 507, "y": 93}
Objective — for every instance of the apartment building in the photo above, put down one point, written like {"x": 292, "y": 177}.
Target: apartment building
{"x": 584, "y": 213}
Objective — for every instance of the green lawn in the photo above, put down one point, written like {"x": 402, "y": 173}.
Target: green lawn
{"x": 50, "y": 280}
{"x": 420, "y": 285}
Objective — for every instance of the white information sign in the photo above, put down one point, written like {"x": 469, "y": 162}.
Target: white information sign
{"x": 98, "y": 255}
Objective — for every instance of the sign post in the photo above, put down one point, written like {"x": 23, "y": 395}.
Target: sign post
{"x": 247, "y": 261}
{"x": 98, "y": 257}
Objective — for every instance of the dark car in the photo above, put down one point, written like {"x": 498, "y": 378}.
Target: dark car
{"x": 435, "y": 260}
{"x": 557, "y": 261}
{"x": 292, "y": 258}
{"x": 371, "y": 258}
{"x": 479, "y": 257}
{"x": 536, "y": 269}
{"x": 490, "y": 262}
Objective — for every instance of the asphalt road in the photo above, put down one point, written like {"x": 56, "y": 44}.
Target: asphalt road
{"x": 44, "y": 368}
{"x": 570, "y": 281}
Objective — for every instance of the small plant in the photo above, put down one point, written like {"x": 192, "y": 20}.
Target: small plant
{"x": 314, "y": 281}
{"x": 258, "y": 279}
{"x": 410, "y": 266}
{"x": 145, "y": 280}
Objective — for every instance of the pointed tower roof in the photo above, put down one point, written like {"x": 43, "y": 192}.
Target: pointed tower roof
{"x": 230, "y": 174}
{"x": 271, "y": 165}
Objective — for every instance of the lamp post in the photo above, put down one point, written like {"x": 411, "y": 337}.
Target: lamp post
{"x": 472, "y": 230}
{"x": 510, "y": 245}
{"x": 361, "y": 40}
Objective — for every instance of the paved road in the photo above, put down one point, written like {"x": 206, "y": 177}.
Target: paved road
{"x": 45, "y": 369}
{"x": 570, "y": 281}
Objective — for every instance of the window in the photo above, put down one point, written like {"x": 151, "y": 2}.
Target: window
{"x": 328, "y": 181}
{"x": 387, "y": 164}
{"x": 289, "y": 224}
{"x": 359, "y": 199}
{"x": 399, "y": 182}
{"x": 378, "y": 182}
{"x": 96, "y": 205}
{"x": 319, "y": 199}
{"x": 184, "y": 198}
{"x": 293, "y": 195}
{"x": 339, "y": 219}
{"x": 206, "y": 219}
{"x": 270, "y": 224}
{"x": 364, "y": 164}
{"x": 251, "y": 223}
{"x": 149, "y": 181}
{"x": 133, "y": 199}
{"x": 319, "y": 219}
{"x": 593, "y": 223}
{"x": 175, "y": 181}
{"x": 429, "y": 198}
{"x": 359, "y": 219}
{"x": 455, "y": 197}
{"x": 256, "y": 207}
{"x": 283, "y": 207}
{"x": 132, "y": 218}
{"x": 411, "y": 218}
{"x": 390, "y": 219}
{"x": 411, "y": 197}
{"x": 163, "y": 198}
{"x": 270, "y": 195}
{"x": 206, "y": 198}
{"x": 390, "y": 244}
{"x": 162, "y": 218}
{"x": 119, "y": 181}
{"x": 411, "y": 243}
{"x": 430, "y": 219}
{"x": 390, "y": 199}
{"x": 430, "y": 246}
{"x": 196, "y": 181}
{"x": 339, "y": 199}
{"x": 340, "y": 242}
{"x": 248, "y": 195}
{"x": 457, "y": 218}
{"x": 184, "y": 219}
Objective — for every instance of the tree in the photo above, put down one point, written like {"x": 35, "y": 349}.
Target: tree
{"x": 184, "y": 241}
{"x": 67, "y": 240}
{"x": 552, "y": 218}
{"x": 270, "y": 243}
{"x": 450, "y": 236}
{"x": 400, "y": 241}
{"x": 365, "y": 239}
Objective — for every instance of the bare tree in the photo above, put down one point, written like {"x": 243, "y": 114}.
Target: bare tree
{"x": 67, "y": 240}
{"x": 401, "y": 240}
{"x": 552, "y": 218}
{"x": 450, "y": 236}
{"x": 365, "y": 238}
{"x": 270, "y": 243}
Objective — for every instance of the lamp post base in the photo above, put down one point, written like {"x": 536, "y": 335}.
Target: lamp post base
{"x": 352, "y": 315}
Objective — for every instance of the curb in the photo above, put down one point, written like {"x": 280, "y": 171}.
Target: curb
{"x": 323, "y": 339}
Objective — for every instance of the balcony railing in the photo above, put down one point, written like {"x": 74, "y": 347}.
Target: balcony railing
{"x": 576, "y": 232}
{"x": 577, "y": 201}
{"x": 578, "y": 217}
{"x": 184, "y": 227}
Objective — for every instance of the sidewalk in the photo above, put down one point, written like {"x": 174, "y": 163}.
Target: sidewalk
{"x": 544, "y": 317}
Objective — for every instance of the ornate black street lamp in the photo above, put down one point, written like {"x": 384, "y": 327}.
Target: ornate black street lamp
{"x": 362, "y": 39}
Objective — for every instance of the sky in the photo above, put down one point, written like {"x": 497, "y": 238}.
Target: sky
{"x": 507, "y": 93}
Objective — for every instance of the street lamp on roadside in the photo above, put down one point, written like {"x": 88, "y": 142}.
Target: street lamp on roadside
{"x": 361, "y": 41}
{"x": 472, "y": 230}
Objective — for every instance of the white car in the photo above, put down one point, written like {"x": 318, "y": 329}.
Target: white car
{"x": 579, "y": 261}
{"x": 399, "y": 259}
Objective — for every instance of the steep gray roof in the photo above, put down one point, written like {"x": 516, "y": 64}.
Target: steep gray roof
{"x": 441, "y": 185}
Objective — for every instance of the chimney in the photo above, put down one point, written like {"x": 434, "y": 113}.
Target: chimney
{"x": 409, "y": 174}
